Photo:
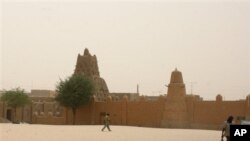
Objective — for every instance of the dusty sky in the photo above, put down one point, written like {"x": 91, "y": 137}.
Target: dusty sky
{"x": 138, "y": 42}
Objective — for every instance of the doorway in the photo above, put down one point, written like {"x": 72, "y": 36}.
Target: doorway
{"x": 101, "y": 117}
{"x": 9, "y": 114}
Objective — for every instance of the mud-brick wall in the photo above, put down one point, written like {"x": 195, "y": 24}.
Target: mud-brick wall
{"x": 49, "y": 119}
{"x": 137, "y": 113}
{"x": 115, "y": 109}
{"x": 212, "y": 114}
{"x": 93, "y": 113}
{"x": 83, "y": 115}
{"x": 248, "y": 107}
{"x": 145, "y": 113}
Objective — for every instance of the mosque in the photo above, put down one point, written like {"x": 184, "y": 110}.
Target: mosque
{"x": 176, "y": 109}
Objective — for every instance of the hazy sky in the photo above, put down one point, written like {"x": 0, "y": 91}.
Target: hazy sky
{"x": 135, "y": 43}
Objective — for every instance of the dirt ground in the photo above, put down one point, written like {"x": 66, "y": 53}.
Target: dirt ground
{"x": 29, "y": 132}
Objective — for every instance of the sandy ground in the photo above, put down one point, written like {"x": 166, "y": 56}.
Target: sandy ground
{"x": 27, "y": 132}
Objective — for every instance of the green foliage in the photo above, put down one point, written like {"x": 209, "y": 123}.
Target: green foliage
{"x": 74, "y": 91}
{"x": 15, "y": 98}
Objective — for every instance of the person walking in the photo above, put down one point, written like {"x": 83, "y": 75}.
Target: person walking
{"x": 106, "y": 122}
{"x": 226, "y": 128}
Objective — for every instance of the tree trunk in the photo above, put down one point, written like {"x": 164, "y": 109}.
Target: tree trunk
{"x": 22, "y": 113}
{"x": 3, "y": 109}
{"x": 74, "y": 115}
{"x": 15, "y": 114}
{"x": 66, "y": 116}
{"x": 31, "y": 113}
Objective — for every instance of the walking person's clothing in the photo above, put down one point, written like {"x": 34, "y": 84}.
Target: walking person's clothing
{"x": 106, "y": 123}
{"x": 226, "y": 128}
{"x": 227, "y": 131}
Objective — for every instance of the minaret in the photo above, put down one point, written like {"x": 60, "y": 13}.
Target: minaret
{"x": 137, "y": 89}
{"x": 87, "y": 64}
{"x": 176, "y": 88}
{"x": 175, "y": 111}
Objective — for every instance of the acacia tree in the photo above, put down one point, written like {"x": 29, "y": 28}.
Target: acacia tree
{"x": 15, "y": 98}
{"x": 74, "y": 92}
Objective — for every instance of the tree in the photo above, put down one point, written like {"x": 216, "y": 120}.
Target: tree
{"x": 74, "y": 91}
{"x": 15, "y": 98}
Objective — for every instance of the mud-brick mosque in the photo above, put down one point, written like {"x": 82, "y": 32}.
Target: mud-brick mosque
{"x": 176, "y": 109}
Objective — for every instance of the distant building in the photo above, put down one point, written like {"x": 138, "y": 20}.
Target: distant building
{"x": 42, "y": 93}
{"x": 176, "y": 109}
{"x": 119, "y": 96}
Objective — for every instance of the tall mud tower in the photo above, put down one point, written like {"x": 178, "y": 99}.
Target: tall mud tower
{"x": 175, "y": 112}
{"x": 87, "y": 65}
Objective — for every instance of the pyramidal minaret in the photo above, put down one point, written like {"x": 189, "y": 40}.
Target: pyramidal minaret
{"x": 87, "y": 65}
{"x": 175, "y": 110}
{"x": 176, "y": 88}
